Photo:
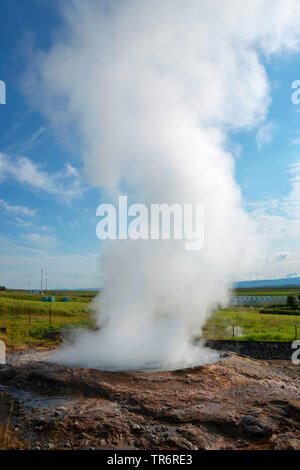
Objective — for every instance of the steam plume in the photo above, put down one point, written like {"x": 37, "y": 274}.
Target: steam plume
{"x": 153, "y": 88}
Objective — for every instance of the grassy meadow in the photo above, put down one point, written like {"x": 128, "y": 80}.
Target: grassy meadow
{"x": 250, "y": 325}
{"x": 266, "y": 292}
{"x": 29, "y": 321}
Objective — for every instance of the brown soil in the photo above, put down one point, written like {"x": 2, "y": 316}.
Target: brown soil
{"x": 237, "y": 403}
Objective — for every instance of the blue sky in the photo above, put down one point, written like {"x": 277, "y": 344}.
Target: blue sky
{"x": 48, "y": 225}
{"x": 47, "y": 210}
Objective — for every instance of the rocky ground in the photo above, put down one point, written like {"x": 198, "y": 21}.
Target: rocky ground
{"x": 236, "y": 403}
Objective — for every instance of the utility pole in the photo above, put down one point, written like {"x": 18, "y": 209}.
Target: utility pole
{"x": 41, "y": 281}
{"x": 46, "y": 284}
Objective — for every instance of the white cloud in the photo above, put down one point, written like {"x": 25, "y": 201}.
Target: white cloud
{"x": 272, "y": 224}
{"x": 22, "y": 216}
{"x": 282, "y": 256}
{"x": 20, "y": 264}
{"x": 20, "y": 210}
{"x": 292, "y": 201}
{"x": 65, "y": 184}
{"x": 291, "y": 275}
{"x": 278, "y": 218}
{"x": 74, "y": 224}
{"x": 265, "y": 134}
{"x": 279, "y": 223}
{"x": 40, "y": 240}
{"x": 21, "y": 222}
{"x": 295, "y": 140}
{"x": 27, "y": 224}
{"x": 31, "y": 142}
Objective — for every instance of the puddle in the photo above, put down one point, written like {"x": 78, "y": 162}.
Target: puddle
{"x": 30, "y": 400}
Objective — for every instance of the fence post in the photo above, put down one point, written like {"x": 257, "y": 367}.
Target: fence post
{"x": 29, "y": 317}
{"x": 233, "y": 330}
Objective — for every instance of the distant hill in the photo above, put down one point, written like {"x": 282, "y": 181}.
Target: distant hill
{"x": 287, "y": 282}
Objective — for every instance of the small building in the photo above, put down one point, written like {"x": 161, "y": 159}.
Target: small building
{"x": 35, "y": 292}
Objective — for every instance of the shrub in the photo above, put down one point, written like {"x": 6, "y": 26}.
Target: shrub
{"x": 291, "y": 301}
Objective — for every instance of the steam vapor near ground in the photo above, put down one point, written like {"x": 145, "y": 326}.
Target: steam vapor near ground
{"x": 153, "y": 89}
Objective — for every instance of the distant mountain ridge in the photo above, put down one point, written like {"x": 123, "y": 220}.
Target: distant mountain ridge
{"x": 286, "y": 282}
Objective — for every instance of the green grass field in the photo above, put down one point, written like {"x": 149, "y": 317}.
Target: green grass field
{"x": 265, "y": 292}
{"x": 28, "y": 320}
{"x": 250, "y": 325}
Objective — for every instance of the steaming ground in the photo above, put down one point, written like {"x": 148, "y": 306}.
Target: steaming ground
{"x": 128, "y": 360}
{"x": 139, "y": 327}
{"x": 153, "y": 90}
{"x": 157, "y": 349}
